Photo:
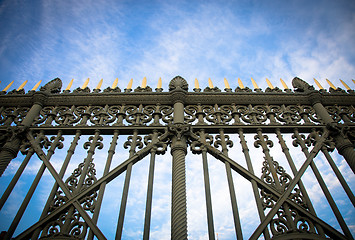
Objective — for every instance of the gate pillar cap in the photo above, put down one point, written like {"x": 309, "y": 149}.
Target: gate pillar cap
{"x": 178, "y": 83}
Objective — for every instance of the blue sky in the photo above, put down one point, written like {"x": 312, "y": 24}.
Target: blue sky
{"x": 41, "y": 40}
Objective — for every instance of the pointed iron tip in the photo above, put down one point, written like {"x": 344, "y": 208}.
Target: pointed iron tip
{"x": 226, "y": 84}
{"x": 129, "y": 86}
{"x": 210, "y": 84}
{"x": 330, "y": 84}
{"x": 144, "y": 82}
{"x": 69, "y": 85}
{"x": 345, "y": 85}
{"x": 8, "y": 86}
{"x": 254, "y": 83}
{"x": 269, "y": 84}
{"x": 197, "y": 85}
{"x": 159, "y": 83}
{"x": 85, "y": 83}
{"x": 22, "y": 85}
{"x": 283, "y": 83}
{"x": 36, "y": 86}
{"x": 318, "y": 84}
{"x": 240, "y": 83}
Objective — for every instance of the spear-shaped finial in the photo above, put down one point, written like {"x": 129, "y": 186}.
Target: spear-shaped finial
{"x": 254, "y": 84}
{"x": 269, "y": 84}
{"x": 85, "y": 83}
{"x": 210, "y": 84}
{"x": 129, "y": 86}
{"x": 69, "y": 85}
{"x": 226, "y": 84}
{"x": 99, "y": 84}
{"x": 8, "y": 86}
{"x": 345, "y": 85}
{"x": 36, "y": 86}
{"x": 331, "y": 84}
{"x": 353, "y": 81}
{"x": 197, "y": 86}
{"x": 240, "y": 83}
{"x": 318, "y": 84}
{"x": 160, "y": 84}
{"x": 115, "y": 83}
{"x": 22, "y": 85}
{"x": 144, "y": 82}
{"x": 283, "y": 83}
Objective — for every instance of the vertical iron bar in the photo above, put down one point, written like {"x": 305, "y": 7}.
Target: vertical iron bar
{"x": 324, "y": 188}
{"x": 259, "y": 204}
{"x": 111, "y": 152}
{"x": 126, "y": 188}
{"x": 207, "y": 189}
{"x": 233, "y": 198}
{"x": 148, "y": 206}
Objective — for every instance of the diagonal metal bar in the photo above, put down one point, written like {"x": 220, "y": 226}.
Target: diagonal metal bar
{"x": 258, "y": 231}
{"x": 249, "y": 176}
{"x": 105, "y": 179}
{"x": 60, "y": 182}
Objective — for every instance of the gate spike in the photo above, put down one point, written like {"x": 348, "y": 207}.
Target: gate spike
{"x": 210, "y": 84}
{"x": 353, "y": 81}
{"x": 115, "y": 83}
{"x": 283, "y": 83}
{"x": 345, "y": 85}
{"x": 69, "y": 85}
{"x": 8, "y": 86}
{"x": 129, "y": 86}
{"x": 318, "y": 84}
{"x": 85, "y": 83}
{"x": 226, "y": 84}
{"x": 331, "y": 84}
{"x": 22, "y": 85}
{"x": 197, "y": 86}
{"x": 269, "y": 84}
{"x": 99, "y": 84}
{"x": 254, "y": 84}
{"x": 144, "y": 82}
{"x": 159, "y": 83}
{"x": 241, "y": 85}
{"x": 36, "y": 86}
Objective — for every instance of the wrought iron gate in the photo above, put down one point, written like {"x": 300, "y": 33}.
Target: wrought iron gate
{"x": 201, "y": 122}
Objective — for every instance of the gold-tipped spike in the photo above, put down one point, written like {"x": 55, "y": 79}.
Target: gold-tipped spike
{"x": 353, "y": 81}
{"x": 22, "y": 85}
{"x": 254, "y": 84}
{"x": 331, "y": 84}
{"x": 283, "y": 84}
{"x": 99, "y": 84}
{"x": 210, "y": 84}
{"x": 69, "y": 85}
{"x": 129, "y": 86}
{"x": 345, "y": 85}
{"x": 240, "y": 83}
{"x": 160, "y": 84}
{"x": 226, "y": 84}
{"x": 197, "y": 86}
{"x": 36, "y": 86}
{"x": 115, "y": 83}
{"x": 8, "y": 86}
{"x": 85, "y": 83}
{"x": 318, "y": 84}
{"x": 269, "y": 84}
{"x": 144, "y": 82}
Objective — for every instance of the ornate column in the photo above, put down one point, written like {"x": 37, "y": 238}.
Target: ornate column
{"x": 178, "y": 88}
{"x": 342, "y": 143}
{"x": 17, "y": 133}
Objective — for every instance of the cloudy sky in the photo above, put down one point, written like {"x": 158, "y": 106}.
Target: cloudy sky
{"x": 42, "y": 40}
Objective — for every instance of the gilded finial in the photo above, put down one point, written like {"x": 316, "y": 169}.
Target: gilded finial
{"x": 269, "y": 84}
{"x": 254, "y": 84}
{"x": 283, "y": 83}
{"x": 36, "y": 86}
{"x": 159, "y": 83}
{"x": 210, "y": 84}
{"x": 331, "y": 84}
{"x": 345, "y": 85}
{"x": 8, "y": 86}
{"x": 353, "y": 81}
{"x": 85, "y": 83}
{"x": 240, "y": 83}
{"x": 318, "y": 84}
{"x": 129, "y": 86}
{"x": 226, "y": 84}
{"x": 197, "y": 86}
{"x": 22, "y": 85}
{"x": 144, "y": 82}
{"x": 99, "y": 84}
{"x": 69, "y": 85}
{"x": 115, "y": 83}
